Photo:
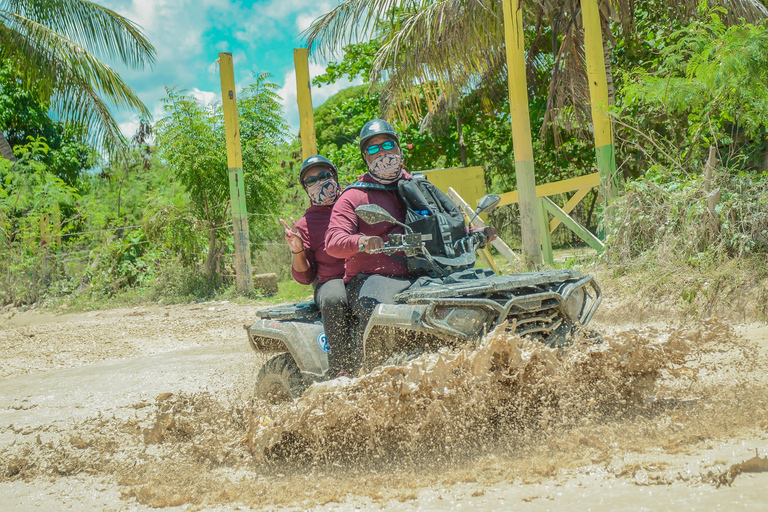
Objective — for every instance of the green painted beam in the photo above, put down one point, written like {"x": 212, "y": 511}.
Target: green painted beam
{"x": 571, "y": 224}
{"x": 546, "y": 240}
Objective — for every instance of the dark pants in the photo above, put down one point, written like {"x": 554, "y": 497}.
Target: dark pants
{"x": 331, "y": 298}
{"x": 365, "y": 292}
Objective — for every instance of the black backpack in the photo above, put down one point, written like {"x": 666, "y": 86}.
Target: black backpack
{"x": 431, "y": 213}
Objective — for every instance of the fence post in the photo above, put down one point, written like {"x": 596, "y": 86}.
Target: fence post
{"x": 236, "y": 183}
{"x": 304, "y": 100}
{"x": 610, "y": 182}
{"x": 521, "y": 131}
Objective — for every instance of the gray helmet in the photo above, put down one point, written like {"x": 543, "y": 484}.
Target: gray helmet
{"x": 376, "y": 127}
{"x": 314, "y": 161}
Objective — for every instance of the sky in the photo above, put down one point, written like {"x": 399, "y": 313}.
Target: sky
{"x": 189, "y": 34}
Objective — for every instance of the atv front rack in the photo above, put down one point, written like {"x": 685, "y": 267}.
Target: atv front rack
{"x": 539, "y": 304}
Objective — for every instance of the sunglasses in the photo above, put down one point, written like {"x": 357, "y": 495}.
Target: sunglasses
{"x": 308, "y": 182}
{"x": 386, "y": 146}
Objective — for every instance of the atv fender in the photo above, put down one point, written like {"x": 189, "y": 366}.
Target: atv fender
{"x": 306, "y": 343}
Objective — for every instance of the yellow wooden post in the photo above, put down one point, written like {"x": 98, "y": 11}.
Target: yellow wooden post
{"x": 304, "y": 99}
{"x": 598, "y": 93}
{"x": 236, "y": 184}
{"x": 521, "y": 132}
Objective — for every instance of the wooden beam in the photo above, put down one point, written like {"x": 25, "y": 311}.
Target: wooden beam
{"x": 574, "y": 226}
{"x": 570, "y": 205}
{"x": 556, "y": 187}
{"x": 498, "y": 243}
{"x": 304, "y": 100}
{"x": 236, "y": 180}
{"x": 546, "y": 241}
{"x": 488, "y": 257}
{"x": 522, "y": 144}
{"x": 598, "y": 98}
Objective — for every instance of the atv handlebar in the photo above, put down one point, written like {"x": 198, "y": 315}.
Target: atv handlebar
{"x": 409, "y": 243}
{"x": 413, "y": 243}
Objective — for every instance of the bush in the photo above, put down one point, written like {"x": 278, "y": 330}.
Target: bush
{"x": 669, "y": 217}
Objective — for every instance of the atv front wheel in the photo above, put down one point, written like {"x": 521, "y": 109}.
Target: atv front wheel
{"x": 280, "y": 380}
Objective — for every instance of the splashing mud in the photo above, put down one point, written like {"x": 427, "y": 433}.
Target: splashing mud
{"x": 506, "y": 410}
{"x": 456, "y": 403}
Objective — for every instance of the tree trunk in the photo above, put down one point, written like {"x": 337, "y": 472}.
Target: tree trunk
{"x": 211, "y": 260}
{"x": 5, "y": 148}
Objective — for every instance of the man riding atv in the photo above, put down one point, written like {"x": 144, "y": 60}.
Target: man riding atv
{"x": 411, "y": 281}
{"x": 374, "y": 277}
{"x": 311, "y": 263}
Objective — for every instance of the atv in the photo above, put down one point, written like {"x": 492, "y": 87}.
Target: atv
{"x": 448, "y": 308}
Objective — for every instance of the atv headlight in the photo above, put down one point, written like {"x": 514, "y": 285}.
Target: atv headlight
{"x": 575, "y": 304}
{"x": 469, "y": 321}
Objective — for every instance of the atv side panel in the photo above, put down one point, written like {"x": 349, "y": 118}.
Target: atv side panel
{"x": 306, "y": 342}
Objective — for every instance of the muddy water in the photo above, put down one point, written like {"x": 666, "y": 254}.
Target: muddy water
{"x": 652, "y": 418}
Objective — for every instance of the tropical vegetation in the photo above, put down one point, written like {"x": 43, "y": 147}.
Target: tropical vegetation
{"x": 86, "y": 215}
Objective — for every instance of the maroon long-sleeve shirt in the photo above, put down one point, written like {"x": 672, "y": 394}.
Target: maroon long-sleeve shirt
{"x": 312, "y": 227}
{"x": 345, "y": 229}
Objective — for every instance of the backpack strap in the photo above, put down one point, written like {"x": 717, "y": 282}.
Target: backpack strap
{"x": 369, "y": 186}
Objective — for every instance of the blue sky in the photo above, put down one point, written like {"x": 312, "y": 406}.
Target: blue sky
{"x": 189, "y": 34}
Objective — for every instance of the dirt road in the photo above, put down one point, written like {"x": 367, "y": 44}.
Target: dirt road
{"x": 130, "y": 409}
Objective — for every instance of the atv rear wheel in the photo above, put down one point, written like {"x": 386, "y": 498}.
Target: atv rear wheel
{"x": 280, "y": 380}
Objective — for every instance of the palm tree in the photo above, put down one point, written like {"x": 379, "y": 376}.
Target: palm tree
{"x": 57, "y": 48}
{"x": 456, "y": 47}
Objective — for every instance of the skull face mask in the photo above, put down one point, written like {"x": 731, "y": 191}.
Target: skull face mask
{"x": 324, "y": 193}
{"x": 386, "y": 168}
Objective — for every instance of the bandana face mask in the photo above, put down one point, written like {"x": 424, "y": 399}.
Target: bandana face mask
{"x": 323, "y": 193}
{"x": 386, "y": 168}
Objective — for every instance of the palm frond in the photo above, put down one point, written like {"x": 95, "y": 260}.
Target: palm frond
{"x": 352, "y": 21}
{"x": 103, "y": 32}
{"x": 74, "y": 79}
{"x": 447, "y": 47}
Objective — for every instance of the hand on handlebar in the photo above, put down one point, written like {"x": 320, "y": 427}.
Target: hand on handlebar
{"x": 490, "y": 232}
{"x": 369, "y": 243}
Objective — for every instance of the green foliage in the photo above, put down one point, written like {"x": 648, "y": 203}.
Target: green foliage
{"x": 357, "y": 61}
{"x": 668, "y": 217}
{"x": 192, "y": 140}
{"x": 23, "y": 115}
{"x": 707, "y": 87}
{"x": 28, "y": 190}
{"x": 29, "y": 193}
{"x": 56, "y": 47}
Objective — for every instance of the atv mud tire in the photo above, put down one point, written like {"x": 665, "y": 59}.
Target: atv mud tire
{"x": 280, "y": 380}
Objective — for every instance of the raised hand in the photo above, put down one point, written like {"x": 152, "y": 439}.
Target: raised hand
{"x": 292, "y": 236}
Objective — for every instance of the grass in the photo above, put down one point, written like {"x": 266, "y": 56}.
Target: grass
{"x": 287, "y": 291}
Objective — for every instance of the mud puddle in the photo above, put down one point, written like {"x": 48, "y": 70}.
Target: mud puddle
{"x": 651, "y": 417}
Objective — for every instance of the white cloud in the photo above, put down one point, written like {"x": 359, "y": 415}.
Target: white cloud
{"x": 189, "y": 34}
{"x": 204, "y": 97}
{"x": 130, "y": 127}
{"x": 303, "y": 21}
